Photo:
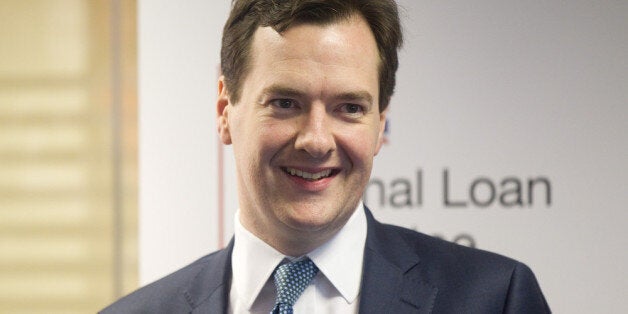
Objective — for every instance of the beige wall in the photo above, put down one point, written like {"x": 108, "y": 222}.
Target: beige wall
{"x": 67, "y": 154}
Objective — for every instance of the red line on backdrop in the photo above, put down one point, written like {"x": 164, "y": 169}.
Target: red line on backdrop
{"x": 221, "y": 197}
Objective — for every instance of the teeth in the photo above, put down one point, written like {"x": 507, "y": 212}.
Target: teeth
{"x": 308, "y": 175}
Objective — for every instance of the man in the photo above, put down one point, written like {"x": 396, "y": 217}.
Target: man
{"x": 303, "y": 102}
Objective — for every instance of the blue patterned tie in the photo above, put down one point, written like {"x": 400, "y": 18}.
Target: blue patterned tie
{"x": 290, "y": 281}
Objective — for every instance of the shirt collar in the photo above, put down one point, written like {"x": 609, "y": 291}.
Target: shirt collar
{"x": 253, "y": 262}
{"x": 340, "y": 259}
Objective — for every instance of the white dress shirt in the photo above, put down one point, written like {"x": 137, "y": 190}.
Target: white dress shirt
{"x": 335, "y": 289}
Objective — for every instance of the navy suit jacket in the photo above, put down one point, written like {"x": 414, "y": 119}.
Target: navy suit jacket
{"x": 404, "y": 272}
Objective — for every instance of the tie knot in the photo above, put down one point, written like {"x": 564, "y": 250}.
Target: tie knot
{"x": 291, "y": 279}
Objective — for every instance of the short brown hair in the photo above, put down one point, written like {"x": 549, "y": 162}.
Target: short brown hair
{"x": 247, "y": 15}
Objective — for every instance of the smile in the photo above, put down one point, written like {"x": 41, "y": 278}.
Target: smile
{"x": 308, "y": 175}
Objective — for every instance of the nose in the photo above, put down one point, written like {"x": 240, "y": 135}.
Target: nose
{"x": 315, "y": 133}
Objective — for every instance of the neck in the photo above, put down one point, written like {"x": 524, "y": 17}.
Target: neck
{"x": 299, "y": 243}
{"x": 289, "y": 241}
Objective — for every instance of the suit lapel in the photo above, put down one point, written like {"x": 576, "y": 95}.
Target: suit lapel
{"x": 391, "y": 280}
{"x": 208, "y": 292}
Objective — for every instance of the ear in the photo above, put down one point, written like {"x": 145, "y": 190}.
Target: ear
{"x": 222, "y": 112}
{"x": 382, "y": 128}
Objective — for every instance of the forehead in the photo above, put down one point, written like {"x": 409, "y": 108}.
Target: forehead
{"x": 347, "y": 44}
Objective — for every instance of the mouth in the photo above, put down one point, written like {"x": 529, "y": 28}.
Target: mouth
{"x": 310, "y": 176}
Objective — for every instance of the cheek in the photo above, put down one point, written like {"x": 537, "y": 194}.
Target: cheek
{"x": 277, "y": 131}
{"x": 270, "y": 138}
{"x": 360, "y": 145}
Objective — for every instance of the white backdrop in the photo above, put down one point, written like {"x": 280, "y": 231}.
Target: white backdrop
{"x": 507, "y": 131}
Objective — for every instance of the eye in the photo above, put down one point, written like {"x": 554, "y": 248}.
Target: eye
{"x": 352, "y": 109}
{"x": 283, "y": 103}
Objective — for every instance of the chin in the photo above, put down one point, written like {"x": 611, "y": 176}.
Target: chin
{"x": 305, "y": 224}
{"x": 311, "y": 220}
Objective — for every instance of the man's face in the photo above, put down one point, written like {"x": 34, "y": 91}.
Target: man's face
{"x": 305, "y": 130}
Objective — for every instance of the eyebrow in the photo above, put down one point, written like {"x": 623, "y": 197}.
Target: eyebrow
{"x": 360, "y": 96}
{"x": 283, "y": 91}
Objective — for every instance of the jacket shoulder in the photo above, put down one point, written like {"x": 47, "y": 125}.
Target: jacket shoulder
{"x": 435, "y": 252}
{"x": 170, "y": 294}
{"x": 468, "y": 279}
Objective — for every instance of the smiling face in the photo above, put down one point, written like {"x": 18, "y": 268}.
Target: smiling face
{"x": 304, "y": 131}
